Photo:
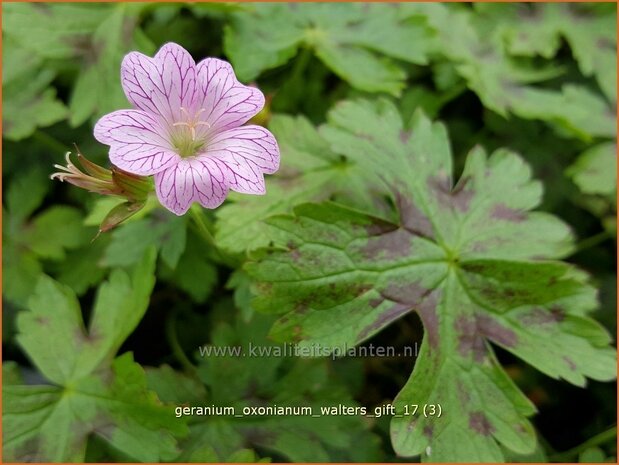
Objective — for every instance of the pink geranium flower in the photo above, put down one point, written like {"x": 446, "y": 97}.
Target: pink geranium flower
{"x": 187, "y": 129}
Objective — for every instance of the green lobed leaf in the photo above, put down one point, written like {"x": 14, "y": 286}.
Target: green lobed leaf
{"x": 53, "y": 309}
{"x": 470, "y": 257}
{"x": 49, "y": 235}
{"x": 92, "y": 393}
{"x": 357, "y": 42}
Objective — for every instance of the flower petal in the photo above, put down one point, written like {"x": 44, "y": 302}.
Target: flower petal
{"x": 160, "y": 85}
{"x": 136, "y": 142}
{"x": 227, "y": 102}
{"x": 192, "y": 180}
{"x": 247, "y": 152}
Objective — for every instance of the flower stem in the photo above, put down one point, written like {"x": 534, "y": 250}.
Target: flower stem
{"x": 205, "y": 233}
{"x": 177, "y": 350}
{"x": 198, "y": 219}
{"x": 601, "y": 438}
{"x": 51, "y": 142}
{"x": 301, "y": 63}
{"x": 592, "y": 241}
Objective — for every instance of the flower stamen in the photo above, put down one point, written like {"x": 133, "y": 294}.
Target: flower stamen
{"x": 191, "y": 123}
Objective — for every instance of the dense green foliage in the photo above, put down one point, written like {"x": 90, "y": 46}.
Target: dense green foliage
{"x": 447, "y": 181}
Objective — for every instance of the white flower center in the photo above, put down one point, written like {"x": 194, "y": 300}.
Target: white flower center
{"x": 185, "y": 139}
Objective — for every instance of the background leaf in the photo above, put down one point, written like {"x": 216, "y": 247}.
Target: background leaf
{"x": 345, "y": 37}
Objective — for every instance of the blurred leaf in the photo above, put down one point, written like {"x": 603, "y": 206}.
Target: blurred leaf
{"x": 29, "y": 104}
{"x": 537, "y": 456}
{"x": 281, "y": 380}
{"x": 470, "y": 258}
{"x": 162, "y": 230}
{"x": 21, "y": 272}
{"x": 206, "y": 454}
{"x": 25, "y": 194}
{"x": 503, "y": 83}
{"x": 56, "y": 229}
{"x": 10, "y": 373}
{"x": 82, "y": 267}
{"x": 592, "y": 455}
{"x": 52, "y": 30}
{"x": 240, "y": 282}
{"x": 595, "y": 173}
{"x": 532, "y": 29}
{"x": 98, "y": 89}
{"x": 174, "y": 387}
{"x": 359, "y": 42}
{"x": 27, "y": 240}
{"x": 92, "y": 393}
{"x": 19, "y": 62}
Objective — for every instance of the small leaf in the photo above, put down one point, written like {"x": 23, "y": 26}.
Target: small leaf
{"x": 120, "y": 213}
{"x": 82, "y": 269}
{"x": 595, "y": 171}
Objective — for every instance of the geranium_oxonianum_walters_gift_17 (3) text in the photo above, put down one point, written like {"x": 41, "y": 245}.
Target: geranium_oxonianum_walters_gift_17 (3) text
{"x": 187, "y": 129}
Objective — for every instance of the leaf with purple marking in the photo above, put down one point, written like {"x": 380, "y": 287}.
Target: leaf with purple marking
{"x": 471, "y": 258}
